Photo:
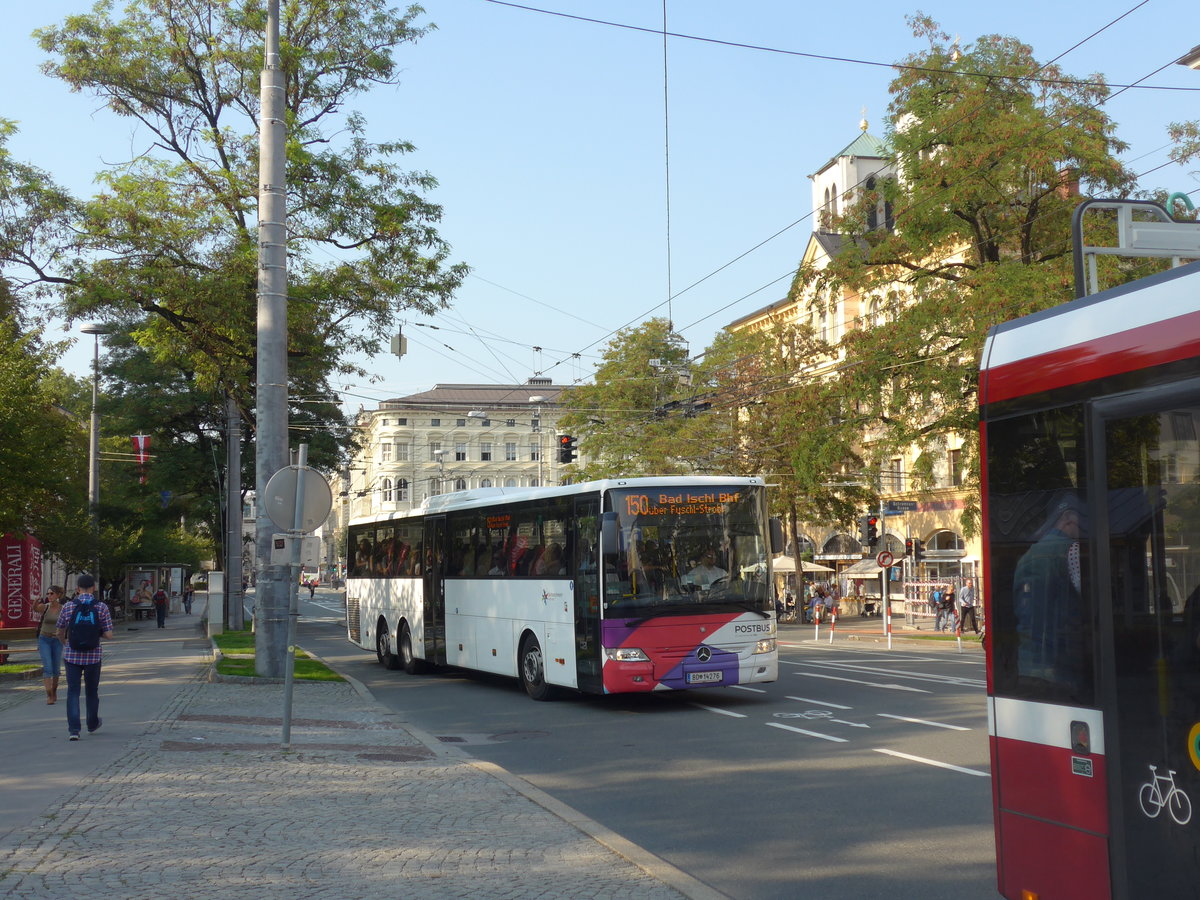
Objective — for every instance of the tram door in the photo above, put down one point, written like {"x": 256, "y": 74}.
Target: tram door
{"x": 1147, "y": 539}
{"x": 434, "y": 571}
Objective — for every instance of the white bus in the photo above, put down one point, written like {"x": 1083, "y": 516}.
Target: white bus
{"x": 613, "y": 586}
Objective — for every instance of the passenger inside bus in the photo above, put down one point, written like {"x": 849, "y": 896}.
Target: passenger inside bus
{"x": 1048, "y": 599}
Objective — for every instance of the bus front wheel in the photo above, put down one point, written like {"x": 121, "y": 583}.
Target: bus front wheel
{"x": 383, "y": 647}
{"x": 533, "y": 670}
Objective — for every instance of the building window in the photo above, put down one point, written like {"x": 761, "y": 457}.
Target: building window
{"x": 956, "y": 472}
{"x": 385, "y": 421}
{"x": 533, "y": 482}
{"x": 402, "y": 452}
{"x": 435, "y": 447}
{"x": 400, "y": 422}
{"x": 486, "y": 423}
{"x": 510, "y": 482}
{"x": 893, "y": 475}
{"x": 511, "y": 423}
{"x": 485, "y": 483}
{"x": 460, "y": 452}
{"x": 385, "y": 453}
{"x": 435, "y": 423}
{"x": 462, "y": 423}
{"x": 535, "y": 451}
{"x": 402, "y": 489}
{"x": 485, "y": 451}
{"x": 510, "y": 451}
{"x": 387, "y": 490}
{"x": 460, "y": 484}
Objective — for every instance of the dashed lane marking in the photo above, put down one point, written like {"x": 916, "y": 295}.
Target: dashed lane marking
{"x": 889, "y": 687}
{"x": 816, "y": 734}
{"x": 924, "y": 722}
{"x": 820, "y": 702}
{"x": 719, "y": 711}
{"x": 933, "y": 762}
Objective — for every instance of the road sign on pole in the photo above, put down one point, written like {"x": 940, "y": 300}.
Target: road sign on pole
{"x": 885, "y": 559}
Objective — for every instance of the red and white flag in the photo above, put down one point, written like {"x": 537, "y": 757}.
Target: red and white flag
{"x": 141, "y": 448}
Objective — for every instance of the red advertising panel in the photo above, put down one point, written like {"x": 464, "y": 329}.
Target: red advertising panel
{"x": 20, "y": 580}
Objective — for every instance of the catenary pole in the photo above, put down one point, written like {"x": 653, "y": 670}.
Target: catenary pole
{"x": 234, "y": 617}
{"x": 271, "y": 380}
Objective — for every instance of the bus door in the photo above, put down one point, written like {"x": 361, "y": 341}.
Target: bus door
{"x": 585, "y": 574}
{"x": 1148, "y": 569}
{"x": 434, "y": 594}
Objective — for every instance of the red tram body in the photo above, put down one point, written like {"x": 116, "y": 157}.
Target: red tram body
{"x": 1090, "y": 441}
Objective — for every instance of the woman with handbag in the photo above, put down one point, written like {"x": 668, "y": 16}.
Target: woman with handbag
{"x": 50, "y": 648}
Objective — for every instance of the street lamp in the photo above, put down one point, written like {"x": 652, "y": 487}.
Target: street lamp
{"x": 1191, "y": 59}
{"x": 537, "y": 427}
{"x": 95, "y": 329}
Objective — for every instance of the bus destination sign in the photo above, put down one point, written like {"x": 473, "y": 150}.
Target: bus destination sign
{"x": 681, "y": 504}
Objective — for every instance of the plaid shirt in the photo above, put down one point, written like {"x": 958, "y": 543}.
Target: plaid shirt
{"x": 83, "y": 657}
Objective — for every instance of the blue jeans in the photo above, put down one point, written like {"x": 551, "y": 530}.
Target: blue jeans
{"x": 160, "y": 612}
{"x": 90, "y": 676}
{"x": 50, "y": 650}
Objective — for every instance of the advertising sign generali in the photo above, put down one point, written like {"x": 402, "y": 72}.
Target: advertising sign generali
{"x": 20, "y": 580}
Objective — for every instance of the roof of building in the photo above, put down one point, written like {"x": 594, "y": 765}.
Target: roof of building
{"x": 478, "y": 396}
{"x": 863, "y": 145}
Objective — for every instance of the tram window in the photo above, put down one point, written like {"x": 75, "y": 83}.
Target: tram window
{"x": 1042, "y": 605}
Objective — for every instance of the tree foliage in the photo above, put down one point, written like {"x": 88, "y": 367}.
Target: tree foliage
{"x": 168, "y": 247}
{"x": 987, "y": 148}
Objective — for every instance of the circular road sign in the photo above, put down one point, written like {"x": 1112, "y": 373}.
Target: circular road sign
{"x": 885, "y": 559}
{"x": 281, "y": 499}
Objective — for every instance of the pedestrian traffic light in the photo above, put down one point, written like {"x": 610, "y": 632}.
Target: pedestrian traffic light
{"x": 567, "y": 448}
{"x": 908, "y": 547}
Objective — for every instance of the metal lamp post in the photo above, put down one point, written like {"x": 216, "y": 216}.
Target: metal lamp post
{"x": 95, "y": 329}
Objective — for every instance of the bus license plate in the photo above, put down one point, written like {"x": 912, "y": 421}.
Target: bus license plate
{"x": 703, "y": 677}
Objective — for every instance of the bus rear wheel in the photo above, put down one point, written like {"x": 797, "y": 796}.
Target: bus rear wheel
{"x": 533, "y": 670}
{"x": 383, "y": 647}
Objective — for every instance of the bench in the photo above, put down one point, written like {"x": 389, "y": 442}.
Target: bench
{"x": 141, "y": 609}
{"x": 10, "y": 636}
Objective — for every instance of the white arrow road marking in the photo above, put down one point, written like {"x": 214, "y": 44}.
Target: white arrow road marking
{"x": 890, "y": 687}
{"x": 851, "y": 724}
{"x": 816, "y": 734}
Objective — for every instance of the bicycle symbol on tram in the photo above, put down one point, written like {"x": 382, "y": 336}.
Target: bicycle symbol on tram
{"x": 1153, "y": 800}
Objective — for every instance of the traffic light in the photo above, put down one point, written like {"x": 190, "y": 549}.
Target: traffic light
{"x": 918, "y": 549}
{"x": 868, "y": 530}
{"x": 908, "y": 546}
{"x": 567, "y": 448}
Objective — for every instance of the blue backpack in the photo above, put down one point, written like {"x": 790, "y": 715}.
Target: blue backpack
{"x": 83, "y": 630}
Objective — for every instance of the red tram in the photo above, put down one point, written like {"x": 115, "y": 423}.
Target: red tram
{"x": 1090, "y": 437}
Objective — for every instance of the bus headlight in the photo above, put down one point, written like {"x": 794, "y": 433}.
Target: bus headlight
{"x": 626, "y": 654}
{"x": 766, "y": 645}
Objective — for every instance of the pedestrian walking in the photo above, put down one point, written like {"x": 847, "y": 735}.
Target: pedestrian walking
{"x": 83, "y": 622}
{"x": 312, "y": 588}
{"x": 160, "y": 599}
{"x": 966, "y": 606}
{"x": 50, "y": 648}
{"x": 188, "y": 593}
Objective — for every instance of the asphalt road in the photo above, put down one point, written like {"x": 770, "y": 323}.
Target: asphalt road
{"x": 861, "y": 773}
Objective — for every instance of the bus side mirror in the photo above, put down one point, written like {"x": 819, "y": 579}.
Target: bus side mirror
{"x": 610, "y": 534}
{"x": 776, "y": 536}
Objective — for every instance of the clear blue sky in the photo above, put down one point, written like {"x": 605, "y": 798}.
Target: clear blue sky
{"x": 547, "y": 137}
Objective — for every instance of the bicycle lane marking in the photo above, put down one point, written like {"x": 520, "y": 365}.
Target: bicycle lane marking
{"x": 889, "y": 687}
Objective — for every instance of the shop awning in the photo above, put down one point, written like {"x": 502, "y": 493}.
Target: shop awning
{"x": 864, "y": 568}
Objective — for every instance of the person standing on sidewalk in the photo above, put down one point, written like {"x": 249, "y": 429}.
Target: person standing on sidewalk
{"x": 83, "y": 665}
{"x": 966, "y": 606}
{"x": 50, "y": 648}
{"x": 160, "y": 607}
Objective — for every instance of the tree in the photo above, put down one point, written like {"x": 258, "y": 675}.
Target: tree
{"x": 631, "y": 419}
{"x": 168, "y": 249}
{"x": 988, "y": 148}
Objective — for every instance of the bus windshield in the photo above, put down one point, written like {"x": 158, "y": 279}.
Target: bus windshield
{"x": 687, "y": 550}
